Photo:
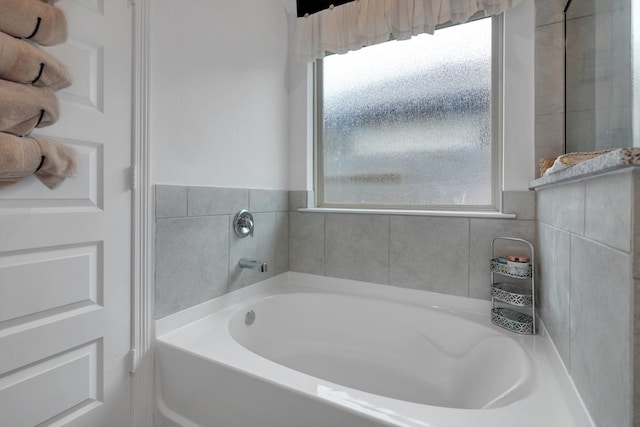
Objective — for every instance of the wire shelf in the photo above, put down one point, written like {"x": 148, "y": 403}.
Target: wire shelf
{"x": 515, "y": 272}
{"x": 512, "y": 320}
{"x": 512, "y": 294}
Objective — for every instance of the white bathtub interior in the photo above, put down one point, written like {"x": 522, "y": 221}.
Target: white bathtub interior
{"x": 337, "y": 352}
{"x": 388, "y": 349}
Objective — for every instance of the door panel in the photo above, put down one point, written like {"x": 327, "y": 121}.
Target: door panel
{"x": 79, "y": 370}
{"x": 65, "y": 270}
{"x": 27, "y": 275}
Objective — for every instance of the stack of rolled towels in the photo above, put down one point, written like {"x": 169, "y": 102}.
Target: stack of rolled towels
{"x": 29, "y": 78}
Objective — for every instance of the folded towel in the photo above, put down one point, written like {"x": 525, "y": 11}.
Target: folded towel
{"x": 556, "y": 166}
{"x": 51, "y": 162}
{"x": 19, "y": 157}
{"x": 23, "y": 62}
{"x": 59, "y": 161}
{"x": 23, "y": 108}
{"x": 34, "y": 20}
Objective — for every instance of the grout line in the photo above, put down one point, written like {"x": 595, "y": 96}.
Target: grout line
{"x": 584, "y": 210}
{"x": 548, "y": 24}
{"x": 568, "y": 362}
{"x": 389, "y": 251}
{"x": 469, "y": 259}
{"x": 324, "y": 249}
{"x": 187, "y": 200}
{"x": 288, "y": 231}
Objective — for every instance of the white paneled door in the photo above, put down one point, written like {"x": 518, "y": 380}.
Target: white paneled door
{"x": 65, "y": 255}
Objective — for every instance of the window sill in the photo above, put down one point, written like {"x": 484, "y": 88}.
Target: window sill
{"x": 458, "y": 214}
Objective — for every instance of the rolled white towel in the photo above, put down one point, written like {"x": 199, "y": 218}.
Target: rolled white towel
{"x": 22, "y": 62}
{"x": 33, "y": 20}
{"x": 23, "y": 108}
{"x": 51, "y": 162}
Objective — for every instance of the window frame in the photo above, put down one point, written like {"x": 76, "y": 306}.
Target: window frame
{"x": 497, "y": 140}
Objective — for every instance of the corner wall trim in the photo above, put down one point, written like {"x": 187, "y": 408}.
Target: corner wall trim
{"x": 142, "y": 322}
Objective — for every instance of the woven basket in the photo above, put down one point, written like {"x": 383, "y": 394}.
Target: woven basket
{"x": 544, "y": 164}
{"x": 571, "y": 159}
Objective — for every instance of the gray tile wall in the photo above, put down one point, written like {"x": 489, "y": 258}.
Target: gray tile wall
{"x": 636, "y": 288}
{"x": 580, "y": 225}
{"x": 587, "y": 287}
{"x": 608, "y": 99}
{"x": 439, "y": 254}
{"x": 197, "y": 251}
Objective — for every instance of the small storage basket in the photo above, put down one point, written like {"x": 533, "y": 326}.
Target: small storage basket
{"x": 512, "y": 320}
{"x": 520, "y": 273}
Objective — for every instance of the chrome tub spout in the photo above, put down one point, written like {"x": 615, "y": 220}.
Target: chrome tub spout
{"x": 253, "y": 264}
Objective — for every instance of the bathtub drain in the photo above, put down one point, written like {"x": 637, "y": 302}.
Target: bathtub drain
{"x": 250, "y": 317}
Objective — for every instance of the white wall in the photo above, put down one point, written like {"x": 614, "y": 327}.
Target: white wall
{"x": 230, "y": 109}
{"x": 219, "y": 102}
{"x": 519, "y": 100}
{"x": 519, "y": 107}
{"x": 300, "y": 119}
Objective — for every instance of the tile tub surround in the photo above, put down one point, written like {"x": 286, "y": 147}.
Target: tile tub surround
{"x": 588, "y": 233}
{"x": 572, "y": 217}
{"x": 441, "y": 254}
{"x": 196, "y": 247}
{"x": 197, "y": 251}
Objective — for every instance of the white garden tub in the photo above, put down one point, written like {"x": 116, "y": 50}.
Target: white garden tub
{"x": 307, "y": 351}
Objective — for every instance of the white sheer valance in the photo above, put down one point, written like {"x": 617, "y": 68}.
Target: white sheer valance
{"x": 367, "y": 22}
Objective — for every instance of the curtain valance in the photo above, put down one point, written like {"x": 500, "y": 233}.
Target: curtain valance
{"x": 354, "y": 24}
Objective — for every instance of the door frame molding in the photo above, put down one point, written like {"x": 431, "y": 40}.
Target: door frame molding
{"x": 142, "y": 290}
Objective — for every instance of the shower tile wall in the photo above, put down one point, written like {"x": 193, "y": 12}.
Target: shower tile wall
{"x": 439, "y": 254}
{"x": 589, "y": 218}
{"x": 197, "y": 251}
{"x": 587, "y": 287}
{"x": 599, "y": 80}
{"x": 549, "y": 72}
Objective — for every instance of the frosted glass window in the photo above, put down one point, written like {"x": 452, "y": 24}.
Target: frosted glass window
{"x": 409, "y": 123}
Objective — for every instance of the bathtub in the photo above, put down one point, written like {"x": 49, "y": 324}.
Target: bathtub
{"x": 307, "y": 351}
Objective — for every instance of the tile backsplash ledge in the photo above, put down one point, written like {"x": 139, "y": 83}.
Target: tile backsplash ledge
{"x": 197, "y": 251}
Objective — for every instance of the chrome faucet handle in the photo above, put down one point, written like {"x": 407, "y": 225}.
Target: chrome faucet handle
{"x": 243, "y": 223}
{"x": 248, "y": 223}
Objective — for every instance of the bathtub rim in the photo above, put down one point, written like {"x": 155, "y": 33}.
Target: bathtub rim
{"x": 291, "y": 282}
